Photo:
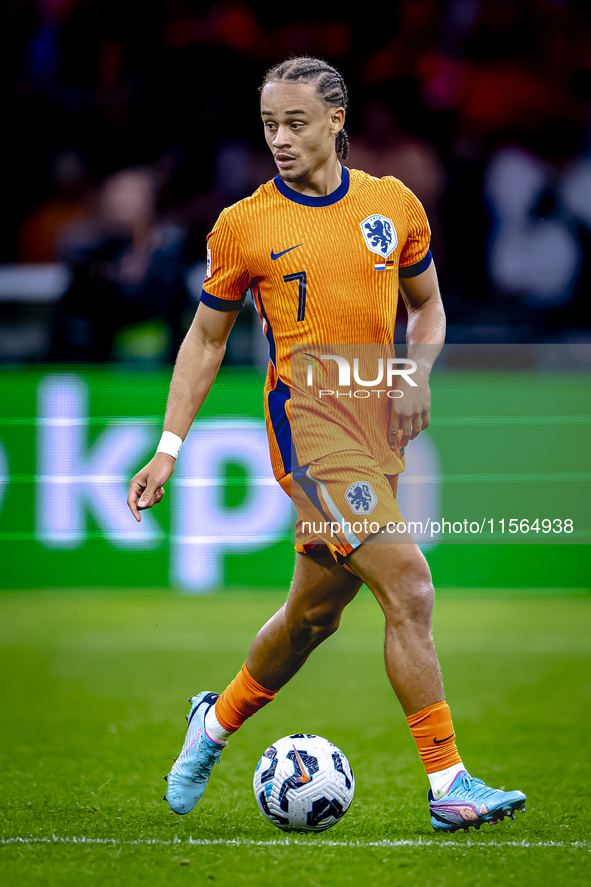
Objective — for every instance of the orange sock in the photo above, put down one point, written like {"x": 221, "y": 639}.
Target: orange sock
{"x": 240, "y": 700}
{"x": 433, "y": 732}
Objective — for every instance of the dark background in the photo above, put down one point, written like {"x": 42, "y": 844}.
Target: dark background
{"x": 482, "y": 107}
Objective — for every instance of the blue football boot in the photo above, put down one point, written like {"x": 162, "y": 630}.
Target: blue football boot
{"x": 469, "y": 802}
{"x": 190, "y": 773}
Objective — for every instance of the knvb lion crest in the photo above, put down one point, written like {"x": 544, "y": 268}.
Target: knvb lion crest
{"x": 380, "y": 235}
{"x": 361, "y": 497}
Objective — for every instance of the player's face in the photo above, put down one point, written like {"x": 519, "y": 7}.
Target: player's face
{"x": 300, "y": 130}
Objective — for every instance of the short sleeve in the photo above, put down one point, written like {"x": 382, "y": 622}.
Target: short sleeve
{"x": 415, "y": 256}
{"x": 227, "y": 278}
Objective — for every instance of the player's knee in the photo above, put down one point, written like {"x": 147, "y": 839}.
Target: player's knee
{"x": 323, "y": 621}
{"x": 410, "y": 597}
{"x": 315, "y": 625}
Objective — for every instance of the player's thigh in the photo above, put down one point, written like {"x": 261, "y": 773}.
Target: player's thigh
{"x": 397, "y": 574}
{"x": 320, "y": 590}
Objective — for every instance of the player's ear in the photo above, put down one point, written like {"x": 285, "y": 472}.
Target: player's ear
{"x": 337, "y": 119}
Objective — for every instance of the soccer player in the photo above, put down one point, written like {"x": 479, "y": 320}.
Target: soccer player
{"x": 323, "y": 250}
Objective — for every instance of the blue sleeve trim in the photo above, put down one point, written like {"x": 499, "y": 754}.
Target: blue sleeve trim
{"x": 221, "y": 304}
{"x": 417, "y": 268}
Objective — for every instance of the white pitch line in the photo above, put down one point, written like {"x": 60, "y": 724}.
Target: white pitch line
{"x": 289, "y": 842}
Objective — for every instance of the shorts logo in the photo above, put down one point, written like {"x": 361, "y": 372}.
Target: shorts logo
{"x": 361, "y": 497}
{"x": 379, "y": 234}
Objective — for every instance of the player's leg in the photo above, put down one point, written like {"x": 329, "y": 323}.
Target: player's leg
{"x": 320, "y": 590}
{"x": 400, "y": 579}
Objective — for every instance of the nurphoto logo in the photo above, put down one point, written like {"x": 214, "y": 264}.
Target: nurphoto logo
{"x": 395, "y": 367}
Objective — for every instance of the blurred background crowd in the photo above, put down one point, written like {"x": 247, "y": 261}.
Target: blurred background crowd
{"x": 130, "y": 124}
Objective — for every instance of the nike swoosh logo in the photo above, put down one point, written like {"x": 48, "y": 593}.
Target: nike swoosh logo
{"x": 305, "y": 777}
{"x": 439, "y": 741}
{"x": 288, "y": 250}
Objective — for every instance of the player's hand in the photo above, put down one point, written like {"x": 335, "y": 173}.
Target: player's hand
{"x": 411, "y": 412}
{"x": 146, "y": 488}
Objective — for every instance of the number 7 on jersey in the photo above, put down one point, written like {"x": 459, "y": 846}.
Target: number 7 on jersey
{"x": 300, "y": 276}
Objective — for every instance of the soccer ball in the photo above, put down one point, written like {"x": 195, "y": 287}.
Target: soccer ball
{"x": 303, "y": 783}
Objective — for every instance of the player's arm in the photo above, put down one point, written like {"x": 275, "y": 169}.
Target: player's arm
{"x": 425, "y": 335}
{"x": 196, "y": 366}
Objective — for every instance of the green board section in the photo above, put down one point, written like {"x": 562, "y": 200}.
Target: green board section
{"x": 502, "y": 447}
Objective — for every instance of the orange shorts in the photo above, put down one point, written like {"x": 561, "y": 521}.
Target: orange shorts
{"x": 341, "y": 500}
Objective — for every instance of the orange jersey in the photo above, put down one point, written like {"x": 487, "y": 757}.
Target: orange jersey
{"x": 321, "y": 271}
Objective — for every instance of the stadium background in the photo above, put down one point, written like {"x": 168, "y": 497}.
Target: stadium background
{"x": 132, "y": 124}
{"x": 128, "y": 125}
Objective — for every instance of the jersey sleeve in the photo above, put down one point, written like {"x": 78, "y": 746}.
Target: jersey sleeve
{"x": 227, "y": 278}
{"x": 415, "y": 256}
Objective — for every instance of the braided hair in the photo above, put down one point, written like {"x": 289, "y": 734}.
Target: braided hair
{"x": 330, "y": 86}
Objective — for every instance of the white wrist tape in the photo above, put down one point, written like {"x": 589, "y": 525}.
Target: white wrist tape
{"x": 169, "y": 443}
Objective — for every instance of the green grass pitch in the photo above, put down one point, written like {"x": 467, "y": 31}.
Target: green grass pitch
{"x": 93, "y": 703}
